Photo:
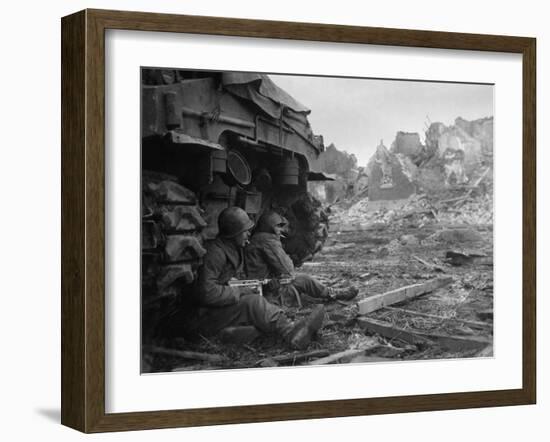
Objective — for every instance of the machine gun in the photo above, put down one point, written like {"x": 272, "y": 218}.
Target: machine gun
{"x": 257, "y": 283}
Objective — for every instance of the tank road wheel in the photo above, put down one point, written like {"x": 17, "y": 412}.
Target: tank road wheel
{"x": 172, "y": 247}
{"x": 308, "y": 229}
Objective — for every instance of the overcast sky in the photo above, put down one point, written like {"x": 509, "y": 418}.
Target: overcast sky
{"x": 355, "y": 114}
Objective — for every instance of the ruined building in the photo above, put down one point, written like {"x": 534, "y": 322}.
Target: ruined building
{"x": 341, "y": 168}
{"x": 451, "y": 155}
{"x": 391, "y": 175}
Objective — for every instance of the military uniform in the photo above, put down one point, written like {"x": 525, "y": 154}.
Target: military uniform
{"x": 217, "y": 305}
{"x": 266, "y": 258}
{"x": 220, "y": 305}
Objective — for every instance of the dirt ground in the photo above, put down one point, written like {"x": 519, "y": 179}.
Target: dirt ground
{"x": 410, "y": 247}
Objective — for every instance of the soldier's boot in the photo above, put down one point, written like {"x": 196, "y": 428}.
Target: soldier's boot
{"x": 299, "y": 334}
{"x": 346, "y": 294}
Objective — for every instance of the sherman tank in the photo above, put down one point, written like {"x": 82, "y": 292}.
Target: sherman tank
{"x": 211, "y": 140}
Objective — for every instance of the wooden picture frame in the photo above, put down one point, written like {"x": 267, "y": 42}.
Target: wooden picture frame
{"x": 83, "y": 220}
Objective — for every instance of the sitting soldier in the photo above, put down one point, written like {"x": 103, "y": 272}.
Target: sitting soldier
{"x": 266, "y": 259}
{"x": 218, "y": 305}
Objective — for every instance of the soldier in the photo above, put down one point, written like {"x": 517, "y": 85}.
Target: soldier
{"x": 219, "y": 305}
{"x": 266, "y": 259}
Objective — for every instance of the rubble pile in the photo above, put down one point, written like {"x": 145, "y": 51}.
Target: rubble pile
{"x": 472, "y": 211}
{"x": 418, "y": 210}
{"x": 451, "y": 156}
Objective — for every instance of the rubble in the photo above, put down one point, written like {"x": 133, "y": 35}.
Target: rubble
{"x": 456, "y": 258}
{"x": 345, "y": 177}
{"x": 436, "y": 226}
{"x": 408, "y": 240}
{"x": 456, "y": 236}
{"x": 452, "y": 155}
{"x": 472, "y": 206}
{"x": 459, "y": 150}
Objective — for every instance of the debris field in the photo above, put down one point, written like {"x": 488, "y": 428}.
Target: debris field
{"x": 424, "y": 270}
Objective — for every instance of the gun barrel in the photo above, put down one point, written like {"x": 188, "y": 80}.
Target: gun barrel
{"x": 246, "y": 282}
{"x": 255, "y": 283}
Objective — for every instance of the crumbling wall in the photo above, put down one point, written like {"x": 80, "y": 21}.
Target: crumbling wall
{"x": 342, "y": 168}
{"x": 334, "y": 161}
{"x": 461, "y": 154}
{"x": 362, "y": 181}
{"x": 482, "y": 131}
{"x": 390, "y": 176}
{"x": 409, "y": 144}
{"x": 460, "y": 151}
{"x": 451, "y": 155}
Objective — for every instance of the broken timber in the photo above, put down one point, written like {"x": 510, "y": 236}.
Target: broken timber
{"x": 389, "y": 331}
{"x": 292, "y": 358}
{"x": 376, "y": 302}
{"x": 187, "y": 354}
{"x": 343, "y": 354}
{"x": 441, "y": 318}
{"x": 449, "y": 342}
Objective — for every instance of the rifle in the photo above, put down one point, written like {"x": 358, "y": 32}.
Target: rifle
{"x": 257, "y": 283}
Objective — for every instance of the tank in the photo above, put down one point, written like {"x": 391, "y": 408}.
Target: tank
{"x": 211, "y": 140}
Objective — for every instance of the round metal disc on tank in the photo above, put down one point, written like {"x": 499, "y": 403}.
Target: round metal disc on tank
{"x": 238, "y": 168}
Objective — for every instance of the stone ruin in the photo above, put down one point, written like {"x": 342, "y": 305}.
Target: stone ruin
{"x": 391, "y": 175}
{"x": 451, "y": 155}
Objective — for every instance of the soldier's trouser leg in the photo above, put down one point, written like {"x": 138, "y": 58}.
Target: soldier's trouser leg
{"x": 250, "y": 310}
{"x": 310, "y": 286}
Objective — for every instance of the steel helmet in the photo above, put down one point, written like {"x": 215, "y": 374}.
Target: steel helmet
{"x": 269, "y": 220}
{"x": 233, "y": 221}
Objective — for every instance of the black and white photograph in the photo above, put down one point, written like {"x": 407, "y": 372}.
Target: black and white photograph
{"x": 294, "y": 220}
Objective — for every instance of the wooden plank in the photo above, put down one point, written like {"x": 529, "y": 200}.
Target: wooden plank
{"x": 343, "y": 354}
{"x": 448, "y": 342}
{"x": 390, "y": 332}
{"x": 376, "y": 302}
{"x": 461, "y": 343}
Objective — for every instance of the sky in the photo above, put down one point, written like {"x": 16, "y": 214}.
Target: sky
{"x": 355, "y": 114}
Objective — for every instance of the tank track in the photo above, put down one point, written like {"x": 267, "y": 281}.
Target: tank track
{"x": 172, "y": 246}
